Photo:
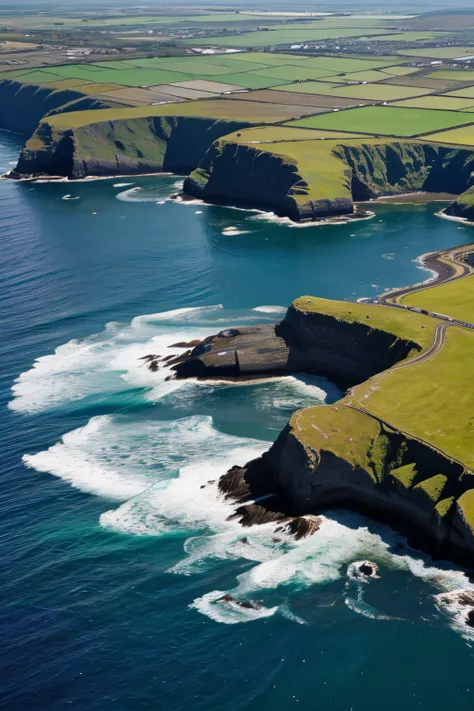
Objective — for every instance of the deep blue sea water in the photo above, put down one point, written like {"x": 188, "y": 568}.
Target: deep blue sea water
{"x": 111, "y": 553}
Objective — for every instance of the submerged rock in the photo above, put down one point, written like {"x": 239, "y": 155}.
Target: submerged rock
{"x": 304, "y": 526}
{"x": 246, "y": 604}
{"x": 186, "y": 344}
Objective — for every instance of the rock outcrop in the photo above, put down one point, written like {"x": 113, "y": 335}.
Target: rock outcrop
{"x": 23, "y": 106}
{"x": 122, "y": 147}
{"x": 337, "y": 456}
{"x": 463, "y": 206}
{"x": 342, "y": 455}
{"x": 323, "y": 179}
{"x": 254, "y": 176}
{"x": 348, "y": 353}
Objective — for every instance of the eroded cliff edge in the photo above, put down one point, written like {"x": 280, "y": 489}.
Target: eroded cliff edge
{"x": 121, "y": 147}
{"x": 345, "y": 455}
{"x": 303, "y": 179}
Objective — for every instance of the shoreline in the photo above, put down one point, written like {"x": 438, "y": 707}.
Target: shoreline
{"x": 455, "y": 218}
{"x": 416, "y": 198}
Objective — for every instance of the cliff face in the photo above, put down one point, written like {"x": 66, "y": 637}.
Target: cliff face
{"x": 123, "y": 147}
{"x": 334, "y": 455}
{"x": 24, "y": 105}
{"x": 311, "y": 186}
{"x": 342, "y": 455}
{"x": 348, "y": 353}
{"x": 247, "y": 175}
{"x": 463, "y": 206}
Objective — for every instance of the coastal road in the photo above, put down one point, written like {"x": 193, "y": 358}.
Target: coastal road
{"x": 438, "y": 341}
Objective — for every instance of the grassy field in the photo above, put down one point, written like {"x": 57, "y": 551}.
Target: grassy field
{"x": 467, "y": 93}
{"x": 370, "y": 75}
{"x": 275, "y": 134}
{"x": 453, "y": 75}
{"x": 215, "y": 108}
{"x": 456, "y": 299}
{"x": 460, "y": 136}
{"x": 387, "y": 121}
{"x": 290, "y": 73}
{"x": 349, "y": 64}
{"x": 403, "y": 324}
{"x": 308, "y": 87}
{"x": 376, "y": 92}
{"x": 400, "y": 71}
{"x": 446, "y": 103}
{"x": 430, "y": 399}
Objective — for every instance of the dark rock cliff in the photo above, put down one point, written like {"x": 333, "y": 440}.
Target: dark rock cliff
{"x": 122, "y": 147}
{"x": 463, "y": 206}
{"x": 348, "y": 353}
{"x": 24, "y": 105}
{"x": 255, "y": 177}
{"x": 334, "y": 456}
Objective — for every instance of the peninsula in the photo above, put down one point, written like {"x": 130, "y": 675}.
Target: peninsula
{"x": 255, "y": 120}
{"x": 307, "y": 129}
{"x": 398, "y": 446}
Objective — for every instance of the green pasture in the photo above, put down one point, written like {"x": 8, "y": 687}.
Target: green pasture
{"x": 386, "y": 121}
{"x": 407, "y": 399}
{"x": 460, "y": 136}
{"x": 377, "y": 92}
{"x": 467, "y": 93}
{"x": 290, "y": 73}
{"x": 307, "y": 87}
{"x": 447, "y": 103}
{"x": 455, "y": 298}
{"x": 453, "y": 75}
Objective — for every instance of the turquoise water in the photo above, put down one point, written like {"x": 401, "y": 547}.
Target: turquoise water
{"x": 112, "y": 554}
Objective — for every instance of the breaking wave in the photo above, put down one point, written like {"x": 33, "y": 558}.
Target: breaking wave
{"x": 161, "y": 466}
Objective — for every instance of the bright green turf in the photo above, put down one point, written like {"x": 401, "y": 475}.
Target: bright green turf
{"x": 455, "y": 298}
{"x": 291, "y": 73}
{"x": 307, "y": 87}
{"x": 460, "y": 136}
{"x": 377, "y": 92}
{"x": 386, "y": 121}
{"x": 436, "y": 102}
{"x": 453, "y": 75}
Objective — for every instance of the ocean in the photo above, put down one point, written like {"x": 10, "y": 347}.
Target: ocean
{"x": 114, "y": 546}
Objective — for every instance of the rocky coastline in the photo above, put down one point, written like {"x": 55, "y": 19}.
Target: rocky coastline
{"x": 337, "y": 455}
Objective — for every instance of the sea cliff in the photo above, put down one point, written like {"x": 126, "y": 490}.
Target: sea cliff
{"x": 230, "y": 161}
{"x": 23, "y": 106}
{"x": 349, "y": 454}
{"x": 123, "y": 147}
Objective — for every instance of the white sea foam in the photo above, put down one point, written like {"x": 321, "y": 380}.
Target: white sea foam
{"x": 229, "y": 613}
{"x": 156, "y": 467}
{"x": 450, "y": 605}
{"x": 106, "y": 362}
{"x": 158, "y": 192}
{"x": 233, "y": 232}
{"x": 164, "y": 474}
{"x": 122, "y": 185}
{"x": 270, "y": 309}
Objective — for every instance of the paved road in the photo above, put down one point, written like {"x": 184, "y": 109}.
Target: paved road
{"x": 438, "y": 341}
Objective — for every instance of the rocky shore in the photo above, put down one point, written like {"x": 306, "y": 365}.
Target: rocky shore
{"x": 338, "y": 455}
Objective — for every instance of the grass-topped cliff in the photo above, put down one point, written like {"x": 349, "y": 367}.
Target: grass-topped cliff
{"x": 131, "y": 141}
{"x": 307, "y": 178}
{"x": 300, "y": 173}
{"x": 399, "y": 444}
